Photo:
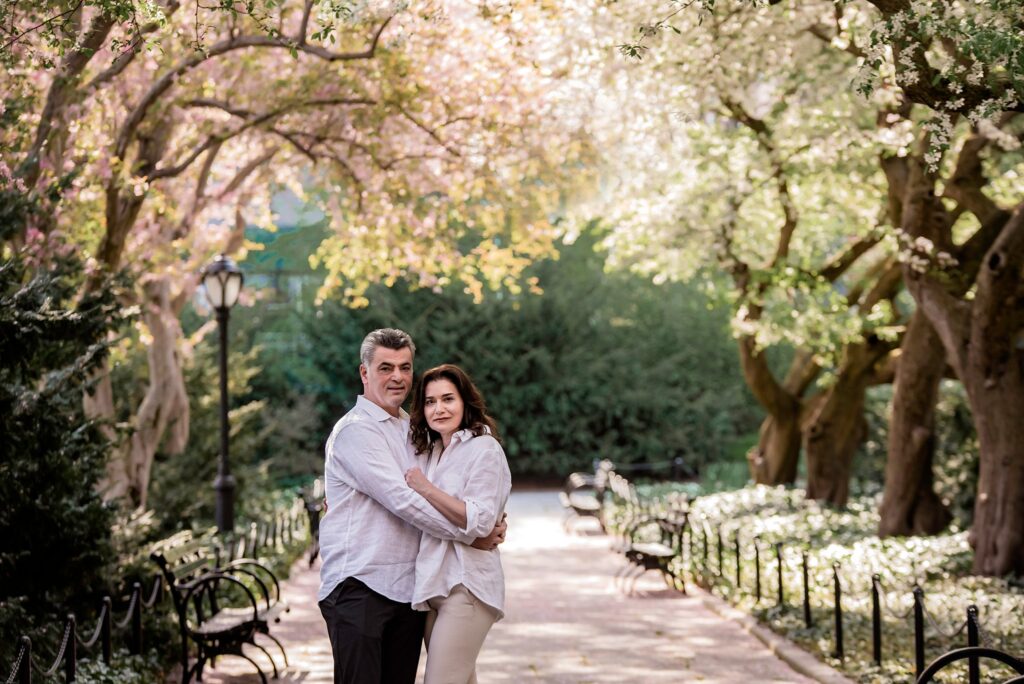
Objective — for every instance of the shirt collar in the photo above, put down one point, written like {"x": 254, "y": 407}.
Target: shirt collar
{"x": 466, "y": 434}
{"x": 375, "y": 411}
{"x": 462, "y": 435}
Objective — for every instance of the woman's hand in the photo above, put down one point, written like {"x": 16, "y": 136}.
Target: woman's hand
{"x": 416, "y": 480}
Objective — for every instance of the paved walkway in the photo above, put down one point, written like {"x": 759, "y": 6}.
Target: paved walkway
{"x": 566, "y": 621}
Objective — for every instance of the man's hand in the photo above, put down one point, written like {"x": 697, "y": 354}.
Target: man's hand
{"x": 496, "y": 537}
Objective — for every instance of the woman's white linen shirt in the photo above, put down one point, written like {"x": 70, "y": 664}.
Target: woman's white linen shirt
{"x": 473, "y": 469}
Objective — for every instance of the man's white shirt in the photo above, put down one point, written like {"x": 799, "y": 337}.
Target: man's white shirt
{"x": 371, "y": 531}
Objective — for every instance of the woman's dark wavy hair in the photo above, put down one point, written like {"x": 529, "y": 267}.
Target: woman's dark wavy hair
{"x": 474, "y": 413}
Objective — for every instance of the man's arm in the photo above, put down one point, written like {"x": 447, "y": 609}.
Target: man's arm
{"x": 451, "y": 507}
{"x": 366, "y": 463}
{"x": 487, "y": 487}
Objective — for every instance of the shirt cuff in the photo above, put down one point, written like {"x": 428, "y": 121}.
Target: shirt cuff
{"x": 472, "y": 515}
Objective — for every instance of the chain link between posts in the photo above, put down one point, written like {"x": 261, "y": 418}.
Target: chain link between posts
{"x": 17, "y": 664}
{"x": 99, "y": 629}
{"x": 60, "y": 651}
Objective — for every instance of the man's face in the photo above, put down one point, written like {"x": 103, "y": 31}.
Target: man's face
{"x": 388, "y": 379}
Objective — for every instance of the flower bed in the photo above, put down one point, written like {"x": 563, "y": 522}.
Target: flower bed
{"x": 846, "y": 540}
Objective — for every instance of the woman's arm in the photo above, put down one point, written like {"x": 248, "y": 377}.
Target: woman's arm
{"x": 447, "y": 505}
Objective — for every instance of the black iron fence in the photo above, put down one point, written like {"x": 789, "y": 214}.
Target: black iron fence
{"x": 752, "y": 562}
{"x": 713, "y": 574}
{"x": 280, "y": 531}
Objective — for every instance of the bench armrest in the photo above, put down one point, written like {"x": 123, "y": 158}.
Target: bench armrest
{"x": 260, "y": 573}
{"x": 210, "y": 582}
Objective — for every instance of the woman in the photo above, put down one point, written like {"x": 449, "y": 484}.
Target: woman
{"x": 468, "y": 481}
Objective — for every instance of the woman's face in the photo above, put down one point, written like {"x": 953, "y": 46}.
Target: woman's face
{"x": 442, "y": 406}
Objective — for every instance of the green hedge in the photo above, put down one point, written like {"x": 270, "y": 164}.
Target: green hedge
{"x": 602, "y": 364}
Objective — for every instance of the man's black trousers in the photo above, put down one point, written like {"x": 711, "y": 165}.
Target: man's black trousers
{"x": 375, "y": 640}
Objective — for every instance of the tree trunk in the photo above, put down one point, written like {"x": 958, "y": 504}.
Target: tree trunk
{"x": 910, "y": 505}
{"x": 774, "y": 460}
{"x": 835, "y": 425}
{"x": 165, "y": 407}
{"x": 998, "y": 532}
{"x": 981, "y": 336}
{"x": 994, "y": 380}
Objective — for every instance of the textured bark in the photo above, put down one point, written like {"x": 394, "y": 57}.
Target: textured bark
{"x": 994, "y": 380}
{"x": 165, "y": 407}
{"x": 163, "y": 415}
{"x": 774, "y": 460}
{"x": 981, "y": 337}
{"x": 910, "y": 505}
{"x": 835, "y": 426}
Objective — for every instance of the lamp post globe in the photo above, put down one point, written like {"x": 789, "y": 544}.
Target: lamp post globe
{"x": 222, "y": 281}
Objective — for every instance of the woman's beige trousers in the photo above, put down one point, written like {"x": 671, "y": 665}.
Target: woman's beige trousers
{"x": 456, "y": 628}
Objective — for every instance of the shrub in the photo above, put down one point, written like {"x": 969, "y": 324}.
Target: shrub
{"x": 55, "y": 547}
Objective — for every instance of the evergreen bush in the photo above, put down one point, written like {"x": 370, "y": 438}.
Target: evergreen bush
{"x": 55, "y": 532}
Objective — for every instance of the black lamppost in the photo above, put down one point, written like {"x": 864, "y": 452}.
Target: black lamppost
{"x": 222, "y": 280}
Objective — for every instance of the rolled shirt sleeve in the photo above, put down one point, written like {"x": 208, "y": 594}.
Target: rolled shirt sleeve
{"x": 485, "y": 491}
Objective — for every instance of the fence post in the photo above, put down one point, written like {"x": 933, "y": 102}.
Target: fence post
{"x": 108, "y": 616}
{"x": 973, "y": 671}
{"x": 688, "y": 541}
{"x": 778, "y": 557}
{"x": 757, "y": 568}
{"x": 918, "y": 631}
{"x": 876, "y": 622}
{"x": 838, "y": 610}
{"x": 24, "y": 663}
{"x": 71, "y": 650}
{"x": 739, "y": 570}
{"x": 704, "y": 545}
{"x": 135, "y": 648}
{"x": 808, "y": 618}
{"x": 718, "y": 535}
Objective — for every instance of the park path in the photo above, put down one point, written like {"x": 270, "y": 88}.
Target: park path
{"x": 566, "y": 621}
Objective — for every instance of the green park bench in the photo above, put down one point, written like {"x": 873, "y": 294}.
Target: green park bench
{"x": 221, "y": 606}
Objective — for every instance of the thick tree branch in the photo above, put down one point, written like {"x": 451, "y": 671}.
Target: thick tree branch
{"x": 968, "y": 178}
{"x": 886, "y": 287}
{"x": 760, "y": 379}
{"x": 252, "y": 121}
{"x": 165, "y": 82}
{"x": 122, "y": 61}
{"x": 62, "y": 89}
{"x": 998, "y": 303}
{"x": 841, "y": 262}
{"x": 948, "y": 315}
{"x": 927, "y": 87}
{"x": 802, "y": 372}
{"x": 764, "y": 138}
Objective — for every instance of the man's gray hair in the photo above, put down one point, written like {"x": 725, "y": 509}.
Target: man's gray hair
{"x": 389, "y": 338}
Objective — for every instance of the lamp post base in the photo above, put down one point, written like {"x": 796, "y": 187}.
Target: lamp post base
{"x": 224, "y": 513}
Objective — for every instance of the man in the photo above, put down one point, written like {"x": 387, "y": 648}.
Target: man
{"x": 371, "y": 532}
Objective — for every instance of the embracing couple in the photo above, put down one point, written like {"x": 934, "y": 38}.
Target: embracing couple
{"x": 415, "y": 516}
